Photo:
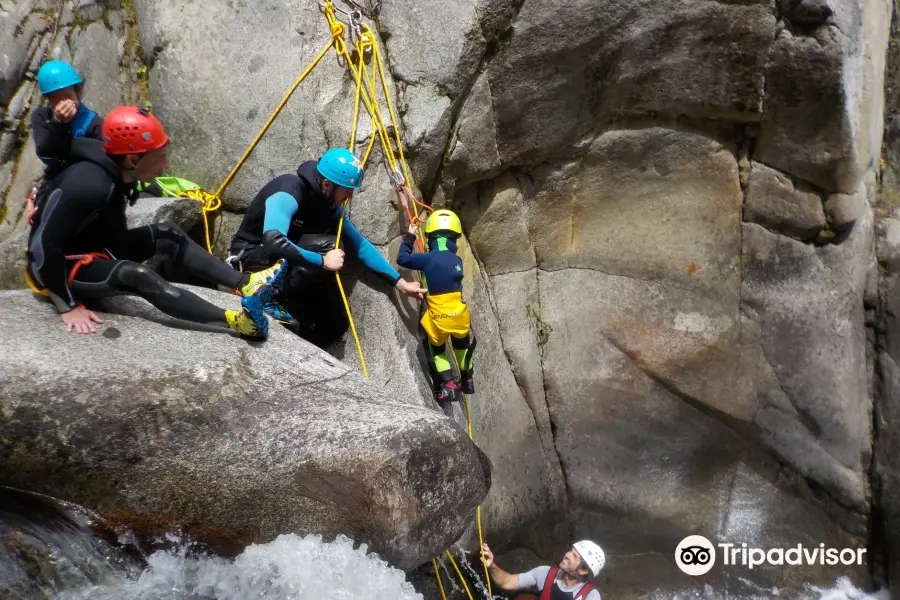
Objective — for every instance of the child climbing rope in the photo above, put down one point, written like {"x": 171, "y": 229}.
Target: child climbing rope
{"x": 445, "y": 315}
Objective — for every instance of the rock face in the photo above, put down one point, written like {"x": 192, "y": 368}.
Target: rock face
{"x": 886, "y": 478}
{"x": 184, "y": 212}
{"x": 13, "y": 261}
{"x": 817, "y": 423}
{"x": 701, "y": 332}
{"x": 680, "y": 227}
{"x": 774, "y": 202}
{"x": 227, "y": 437}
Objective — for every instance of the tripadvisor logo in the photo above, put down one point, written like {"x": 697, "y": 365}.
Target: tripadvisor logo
{"x": 696, "y": 555}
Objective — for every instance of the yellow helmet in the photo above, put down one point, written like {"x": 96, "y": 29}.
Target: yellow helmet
{"x": 443, "y": 220}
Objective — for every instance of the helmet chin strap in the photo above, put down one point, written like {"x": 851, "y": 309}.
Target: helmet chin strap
{"x": 132, "y": 172}
{"x": 329, "y": 197}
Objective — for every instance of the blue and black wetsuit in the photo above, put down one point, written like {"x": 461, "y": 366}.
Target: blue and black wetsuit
{"x": 290, "y": 218}
{"x": 442, "y": 268}
{"x": 53, "y": 139}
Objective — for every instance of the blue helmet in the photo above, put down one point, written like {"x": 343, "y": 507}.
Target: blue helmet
{"x": 55, "y": 75}
{"x": 341, "y": 167}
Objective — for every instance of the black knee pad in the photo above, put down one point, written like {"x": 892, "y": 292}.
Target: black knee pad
{"x": 171, "y": 240}
{"x": 301, "y": 276}
{"x": 460, "y": 343}
{"x": 318, "y": 242}
{"x": 465, "y": 344}
{"x": 139, "y": 278}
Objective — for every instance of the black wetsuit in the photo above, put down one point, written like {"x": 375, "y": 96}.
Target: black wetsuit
{"x": 82, "y": 210}
{"x": 53, "y": 139}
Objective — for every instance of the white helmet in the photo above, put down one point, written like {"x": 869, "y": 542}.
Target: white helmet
{"x": 591, "y": 554}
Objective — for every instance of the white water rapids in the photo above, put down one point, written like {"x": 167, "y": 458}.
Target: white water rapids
{"x": 289, "y": 567}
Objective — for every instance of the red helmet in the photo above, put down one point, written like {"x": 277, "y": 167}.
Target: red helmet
{"x": 132, "y": 130}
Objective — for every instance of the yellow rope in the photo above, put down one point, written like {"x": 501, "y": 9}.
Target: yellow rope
{"x": 356, "y": 109}
{"x": 382, "y": 134}
{"x": 360, "y": 50}
{"x": 466, "y": 403}
{"x": 352, "y": 326}
{"x": 487, "y": 577}
{"x": 335, "y": 33}
{"x": 369, "y": 149}
{"x": 392, "y": 162}
{"x": 371, "y": 100}
{"x": 437, "y": 575}
{"x": 367, "y": 39}
{"x": 210, "y": 203}
{"x": 458, "y": 572}
{"x": 371, "y": 104}
{"x": 377, "y": 56}
{"x": 337, "y": 244}
{"x": 342, "y": 52}
{"x": 377, "y": 125}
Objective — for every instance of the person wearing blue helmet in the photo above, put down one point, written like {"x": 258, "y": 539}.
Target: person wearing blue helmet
{"x": 295, "y": 216}
{"x": 64, "y": 118}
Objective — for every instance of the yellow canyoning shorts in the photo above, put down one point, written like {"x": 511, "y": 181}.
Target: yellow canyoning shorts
{"x": 445, "y": 315}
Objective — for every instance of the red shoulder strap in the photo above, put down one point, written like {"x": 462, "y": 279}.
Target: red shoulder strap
{"x": 584, "y": 591}
{"x": 548, "y": 583}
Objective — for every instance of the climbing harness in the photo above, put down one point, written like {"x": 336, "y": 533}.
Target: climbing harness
{"x": 81, "y": 260}
{"x": 547, "y": 590}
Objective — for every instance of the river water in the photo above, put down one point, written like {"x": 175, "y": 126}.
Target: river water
{"x": 57, "y": 551}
